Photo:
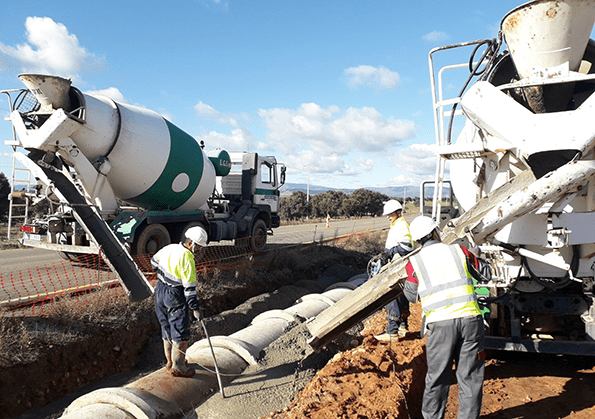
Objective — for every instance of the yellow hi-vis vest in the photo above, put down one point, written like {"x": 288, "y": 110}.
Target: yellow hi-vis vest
{"x": 445, "y": 286}
{"x": 399, "y": 234}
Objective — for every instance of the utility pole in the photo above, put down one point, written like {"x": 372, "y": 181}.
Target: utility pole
{"x": 308, "y": 187}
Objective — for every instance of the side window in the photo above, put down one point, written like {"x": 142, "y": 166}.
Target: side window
{"x": 236, "y": 168}
{"x": 266, "y": 173}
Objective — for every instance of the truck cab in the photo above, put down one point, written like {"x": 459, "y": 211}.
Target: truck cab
{"x": 254, "y": 180}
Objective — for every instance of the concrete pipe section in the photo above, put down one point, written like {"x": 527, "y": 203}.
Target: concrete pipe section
{"x": 160, "y": 395}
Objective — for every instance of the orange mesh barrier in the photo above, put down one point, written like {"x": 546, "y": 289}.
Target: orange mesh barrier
{"x": 34, "y": 291}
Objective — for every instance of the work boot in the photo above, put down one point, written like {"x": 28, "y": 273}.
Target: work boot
{"x": 167, "y": 347}
{"x": 404, "y": 324}
{"x": 403, "y": 328}
{"x": 387, "y": 337}
{"x": 179, "y": 367}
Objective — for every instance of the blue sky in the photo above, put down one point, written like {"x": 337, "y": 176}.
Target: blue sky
{"x": 339, "y": 88}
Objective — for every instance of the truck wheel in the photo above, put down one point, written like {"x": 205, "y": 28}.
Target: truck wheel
{"x": 150, "y": 239}
{"x": 258, "y": 240}
{"x": 181, "y": 230}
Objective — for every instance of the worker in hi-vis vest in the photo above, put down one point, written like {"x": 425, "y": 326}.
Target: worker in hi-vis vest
{"x": 398, "y": 242}
{"x": 440, "y": 275}
{"x": 175, "y": 296}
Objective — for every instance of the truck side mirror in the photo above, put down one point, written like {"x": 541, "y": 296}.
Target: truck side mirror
{"x": 282, "y": 180}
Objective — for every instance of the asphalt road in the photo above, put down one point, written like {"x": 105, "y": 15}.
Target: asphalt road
{"x": 12, "y": 260}
{"x": 307, "y": 233}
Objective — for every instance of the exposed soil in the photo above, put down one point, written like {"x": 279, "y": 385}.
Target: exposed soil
{"x": 377, "y": 380}
{"x": 355, "y": 377}
{"x": 45, "y": 359}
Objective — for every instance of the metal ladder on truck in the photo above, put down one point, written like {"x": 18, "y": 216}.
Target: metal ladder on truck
{"x": 19, "y": 175}
{"x": 446, "y": 109}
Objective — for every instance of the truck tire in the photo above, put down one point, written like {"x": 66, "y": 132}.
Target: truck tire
{"x": 258, "y": 239}
{"x": 180, "y": 234}
{"x": 150, "y": 239}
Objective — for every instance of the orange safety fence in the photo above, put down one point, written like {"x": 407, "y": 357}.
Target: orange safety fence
{"x": 38, "y": 290}
{"x": 35, "y": 291}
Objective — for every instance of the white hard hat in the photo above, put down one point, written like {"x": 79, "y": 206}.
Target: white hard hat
{"x": 391, "y": 206}
{"x": 198, "y": 235}
{"x": 421, "y": 227}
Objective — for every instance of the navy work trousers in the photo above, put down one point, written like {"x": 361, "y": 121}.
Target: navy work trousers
{"x": 172, "y": 312}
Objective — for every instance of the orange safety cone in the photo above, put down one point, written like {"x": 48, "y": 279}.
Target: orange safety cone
{"x": 328, "y": 218}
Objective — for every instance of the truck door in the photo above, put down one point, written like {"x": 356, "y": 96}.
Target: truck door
{"x": 449, "y": 208}
{"x": 266, "y": 181}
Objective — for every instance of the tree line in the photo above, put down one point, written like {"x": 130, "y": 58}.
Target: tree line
{"x": 40, "y": 208}
{"x": 336, "y": 204}
{"x": 4, "y": 192}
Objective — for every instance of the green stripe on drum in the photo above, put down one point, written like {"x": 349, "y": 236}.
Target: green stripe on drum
{"x": 180, "y": 177}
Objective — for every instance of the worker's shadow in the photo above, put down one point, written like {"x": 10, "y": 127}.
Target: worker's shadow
{"x": 577, "y": 395}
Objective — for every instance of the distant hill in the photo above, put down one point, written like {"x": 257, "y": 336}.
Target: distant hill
{"x": 391, "y": 191}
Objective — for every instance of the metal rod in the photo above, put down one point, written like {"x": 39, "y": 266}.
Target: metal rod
{"x": 204, "y": 327}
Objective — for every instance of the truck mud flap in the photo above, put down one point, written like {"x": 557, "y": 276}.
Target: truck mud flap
{"x": 134, "y": 282}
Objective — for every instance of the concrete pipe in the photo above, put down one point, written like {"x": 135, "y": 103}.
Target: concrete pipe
{"x": 160, "y": 395}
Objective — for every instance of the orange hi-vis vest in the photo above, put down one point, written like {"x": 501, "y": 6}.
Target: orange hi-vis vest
{"x": 445, "y": 285}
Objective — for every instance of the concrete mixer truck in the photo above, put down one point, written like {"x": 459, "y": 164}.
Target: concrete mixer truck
{"x": 521, "y": 189}
{"x": 519, "y": 139}
{"x": 114, "y": 172}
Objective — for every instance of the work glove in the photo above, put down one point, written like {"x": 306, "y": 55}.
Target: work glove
{"x": 197, "y": 315}
{"x": 384, "y": 258}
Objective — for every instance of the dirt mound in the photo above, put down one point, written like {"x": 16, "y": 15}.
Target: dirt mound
{"x": 374, "y": 380}
{"x": 378, "y": 380}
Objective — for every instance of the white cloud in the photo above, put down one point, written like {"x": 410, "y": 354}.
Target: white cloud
{"x": 50, "y": 49}
{"x": 111, "y": 92}
{"x": 415, "y": 164}
{"x": 417, "y": 159}
{"x": 380, "y": 78}
{"x": 216, "y": 4}
{"x": 332, "y": 140}
{"x": 436, "y": 36}
{"x": 208, "y": 112}
{"x": 333, "y": 131}
{"x": 306, "y": 160}
{"x": 239, "y": 140}
{"x": 366, "y": 164}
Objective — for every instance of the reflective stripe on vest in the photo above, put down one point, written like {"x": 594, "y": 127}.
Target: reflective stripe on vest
{"x": 445, "y": 286}
{"x": 175, "y": 267}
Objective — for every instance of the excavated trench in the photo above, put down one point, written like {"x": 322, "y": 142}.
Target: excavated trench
{"x": 78, "y": 361}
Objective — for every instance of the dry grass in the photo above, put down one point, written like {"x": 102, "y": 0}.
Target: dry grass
{"x": 370, "y": 243}
{"x": 73, "y": 317}
{"x": 101, "y": 307}
{"x": 70, "y": 318}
